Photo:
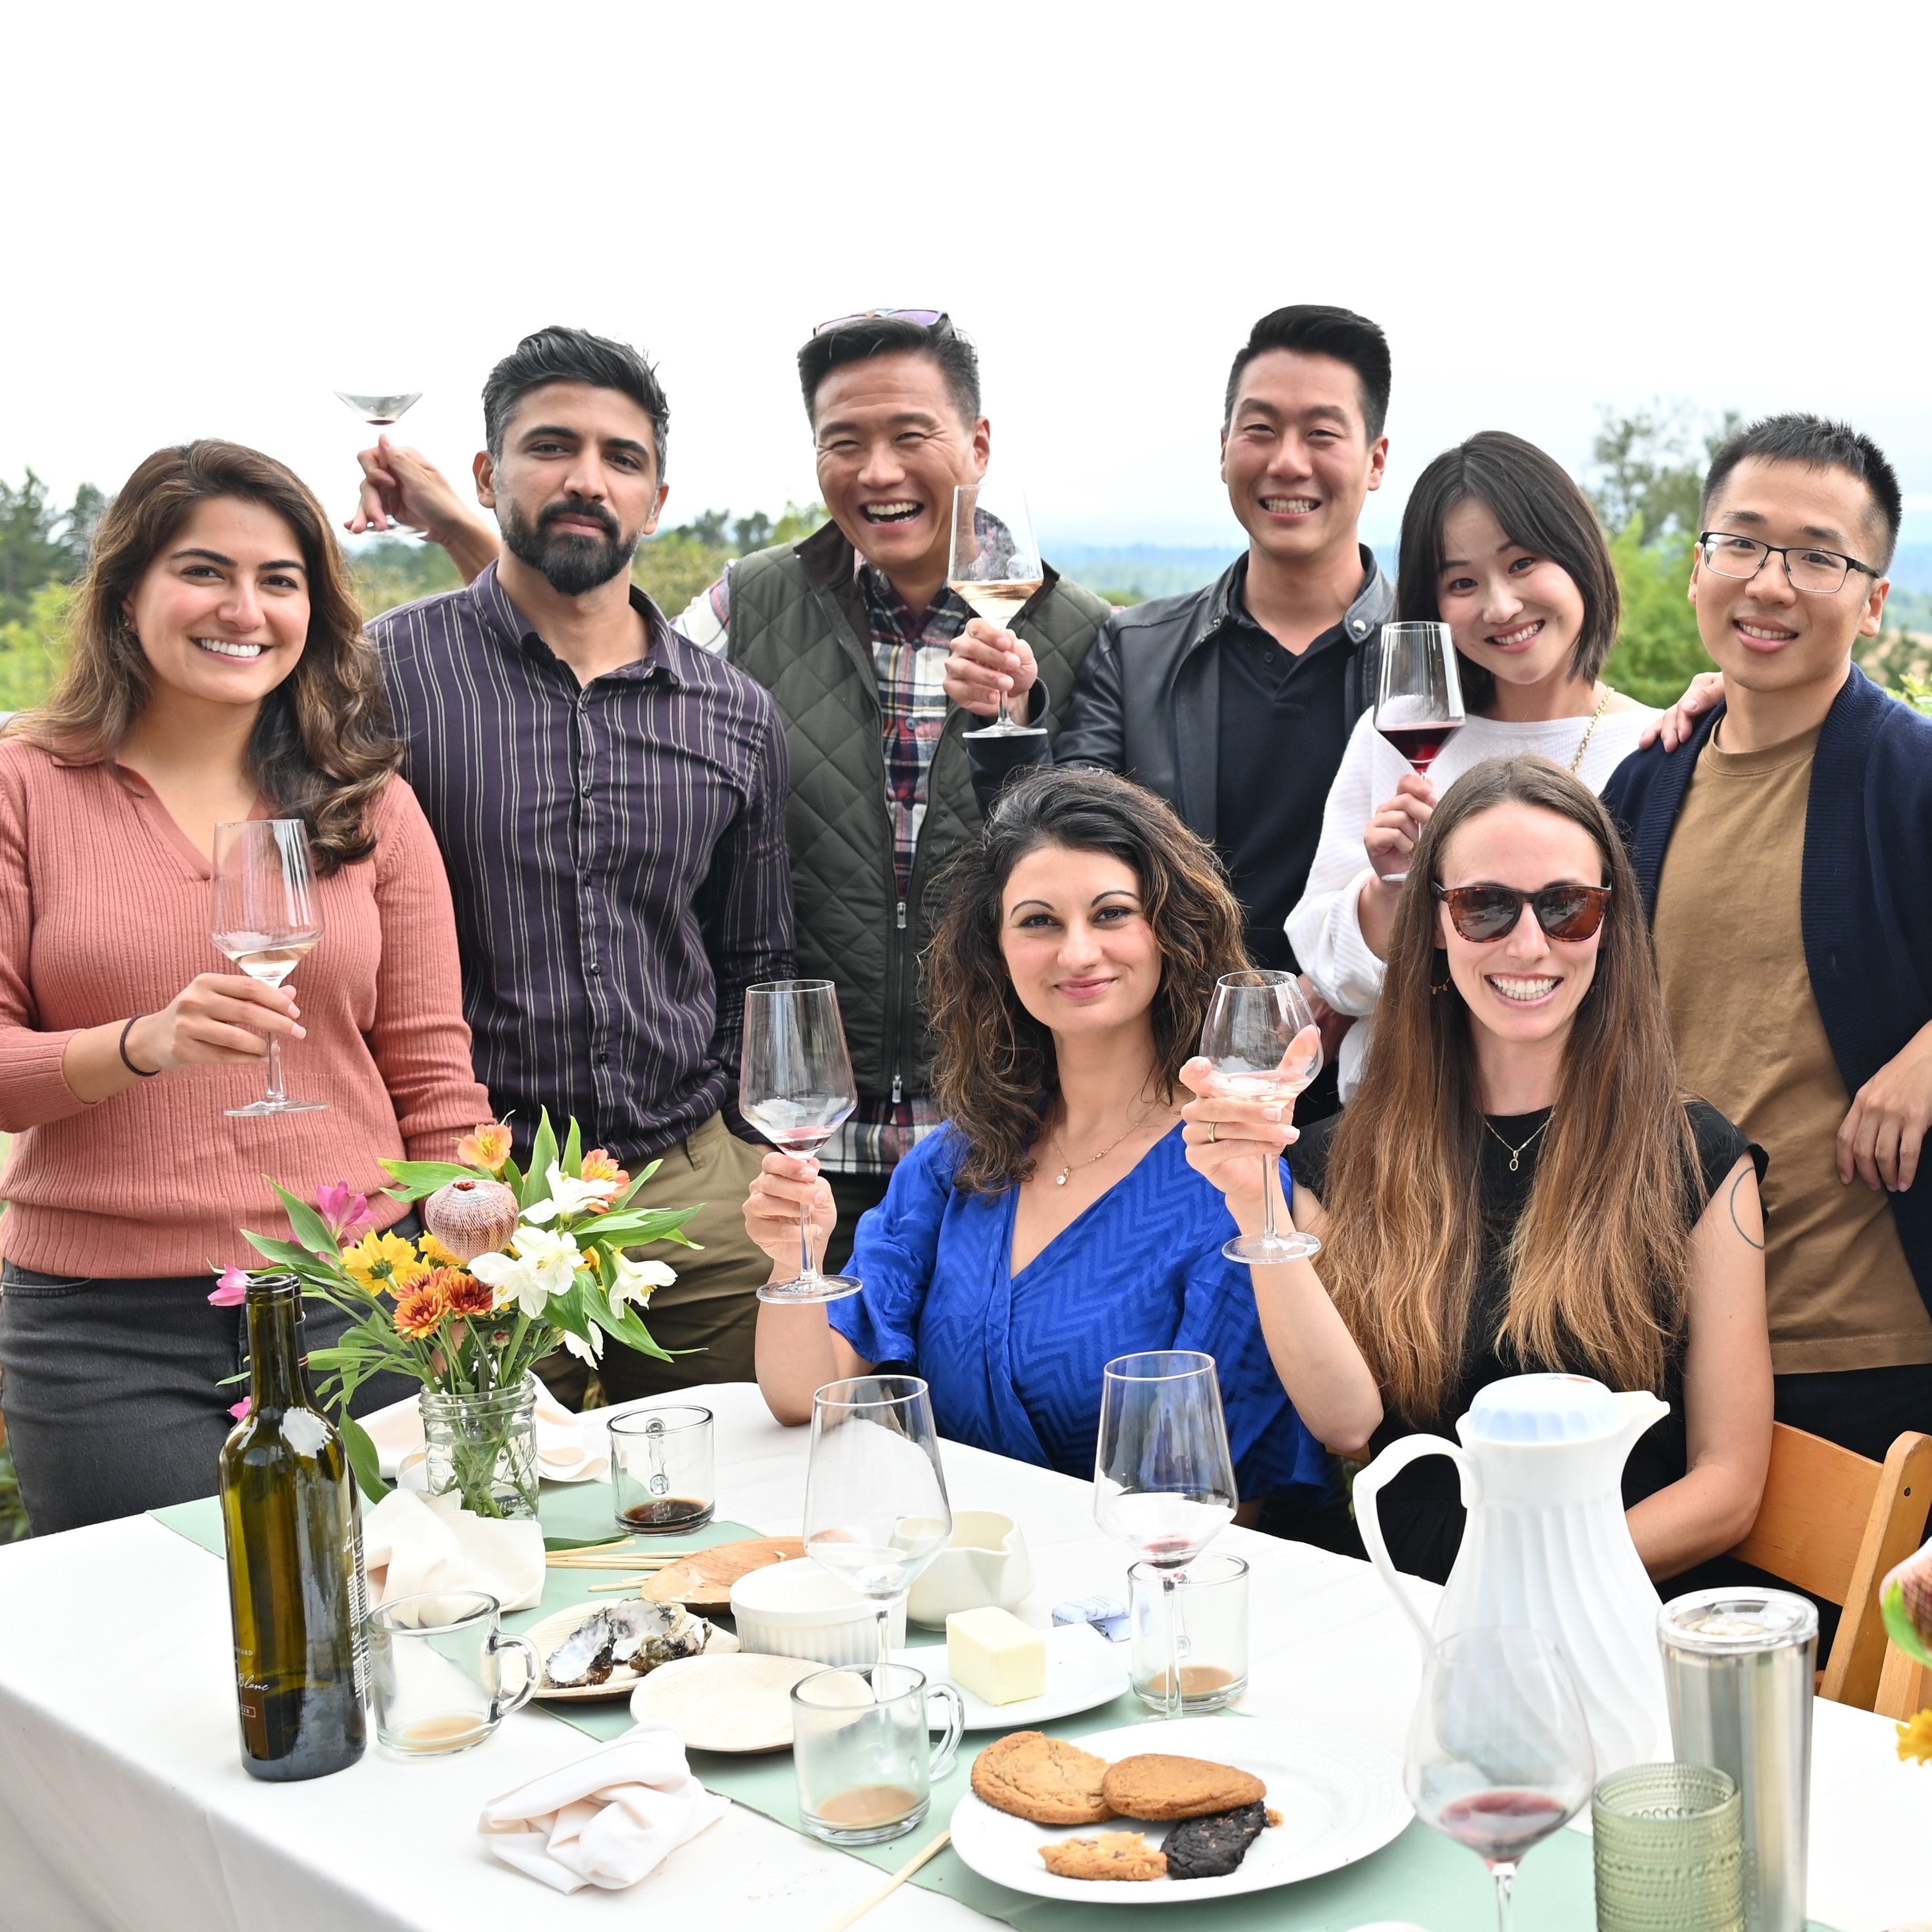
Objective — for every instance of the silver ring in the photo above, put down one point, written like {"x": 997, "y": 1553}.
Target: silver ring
{"x": 1211, "y": 1126}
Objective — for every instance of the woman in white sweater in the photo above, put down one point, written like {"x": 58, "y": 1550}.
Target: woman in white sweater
{"x": 1499, "y": 543}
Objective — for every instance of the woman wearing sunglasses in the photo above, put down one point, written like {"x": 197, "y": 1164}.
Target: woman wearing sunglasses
{"x": 1499, "y": 543}
{"x": 1520, "y": 1184}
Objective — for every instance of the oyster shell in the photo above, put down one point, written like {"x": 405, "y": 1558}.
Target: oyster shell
{"x": 640, "y": 1626}
{"x": 587, "y": 1655}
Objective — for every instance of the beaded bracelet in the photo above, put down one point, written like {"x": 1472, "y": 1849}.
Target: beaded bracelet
{"x": 145, "y": 1073}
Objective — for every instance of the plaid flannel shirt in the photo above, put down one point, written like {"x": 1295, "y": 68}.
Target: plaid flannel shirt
{"x": 909, "y": 657}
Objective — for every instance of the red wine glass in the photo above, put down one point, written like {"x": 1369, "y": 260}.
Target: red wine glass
{"x": 1418, "y": 695}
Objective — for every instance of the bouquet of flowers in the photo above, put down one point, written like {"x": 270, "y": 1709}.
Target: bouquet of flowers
{"x": 511, "y": 1264}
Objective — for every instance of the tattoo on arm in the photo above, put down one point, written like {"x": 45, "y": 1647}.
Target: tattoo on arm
{"x": 1751, "y": 1240}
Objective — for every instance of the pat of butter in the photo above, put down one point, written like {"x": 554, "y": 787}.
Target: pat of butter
{"x": 991, "y": 1653}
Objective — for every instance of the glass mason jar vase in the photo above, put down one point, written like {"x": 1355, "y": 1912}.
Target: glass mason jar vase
{"x": 483, "y": 1447}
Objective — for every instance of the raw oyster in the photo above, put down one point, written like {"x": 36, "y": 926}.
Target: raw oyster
{"x": 649, "y": 1634}
{"x": 587, "y": 1655}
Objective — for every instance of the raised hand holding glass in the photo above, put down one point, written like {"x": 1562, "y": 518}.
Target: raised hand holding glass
{"x": 995, "y": 566}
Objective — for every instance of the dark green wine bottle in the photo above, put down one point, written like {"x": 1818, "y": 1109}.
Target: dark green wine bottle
{"x": 294, "y": 1526}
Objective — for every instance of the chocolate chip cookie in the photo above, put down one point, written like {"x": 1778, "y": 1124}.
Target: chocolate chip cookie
{"x": 1038, "y": 1777}
{"x": 1115, "y": 1855}
{"x": 1155, "y": 1786}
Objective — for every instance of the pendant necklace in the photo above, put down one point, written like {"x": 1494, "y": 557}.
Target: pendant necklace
{"x": 1060, "y": 1179}
{"x": 1516, "y": 1153}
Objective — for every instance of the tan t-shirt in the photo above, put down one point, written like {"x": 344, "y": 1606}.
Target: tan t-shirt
{"x": 1730, "y": 949}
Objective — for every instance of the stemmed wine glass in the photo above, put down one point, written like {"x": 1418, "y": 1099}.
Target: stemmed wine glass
{"x": 1418, "y": 696}
{"x": 265, "y": 917}
{"x": 1262, "y": 1041}
{"x": 795, "y": 1087}
{"x": 876, "y": 1512}
{"x": 1499, "y": 1751}
{"x": 1163, "y": 1475}
{"x": 378, "y": 408}
{"x": 995, "y": 566}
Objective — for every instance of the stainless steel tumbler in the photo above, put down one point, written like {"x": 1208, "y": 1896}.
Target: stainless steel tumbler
{"x": 1737, "y": 1670}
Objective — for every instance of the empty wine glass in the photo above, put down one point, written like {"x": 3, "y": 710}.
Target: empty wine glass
{"x": 1261, "y": 1038}
{"x": 1499, "y": 1751}
{"x": 265, "y": 917}
{"x": 795, "y": 1087}
{"x": 1418, "y": 696}
{"x": 1163, "y": 1474}
{"x": 876, "y": 1512}
{"x": 995, "y": 566}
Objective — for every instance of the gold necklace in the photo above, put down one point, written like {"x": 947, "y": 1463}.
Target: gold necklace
{"x": 1516, "y": 1153}
{"x": 1060, "y": 1179}
{"x": 1576, "y": 763}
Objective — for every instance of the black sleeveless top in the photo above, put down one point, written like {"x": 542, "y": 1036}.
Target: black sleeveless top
{"x": 1421, "y": 1511}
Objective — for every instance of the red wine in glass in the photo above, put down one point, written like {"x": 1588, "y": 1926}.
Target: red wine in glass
{"x": 1421, "y": 744}
{"x": 1501, "y": 1824}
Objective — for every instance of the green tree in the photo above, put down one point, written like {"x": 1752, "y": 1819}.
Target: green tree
{"x": 40, "y": 542}
{"x": 398, "y": 570}
{"x": 33, "y": 647}
{"x": 1658, "y": 649}
{"x": 674, "y": 566}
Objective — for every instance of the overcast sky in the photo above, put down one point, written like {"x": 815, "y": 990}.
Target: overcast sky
{"x": 219, "y": 214}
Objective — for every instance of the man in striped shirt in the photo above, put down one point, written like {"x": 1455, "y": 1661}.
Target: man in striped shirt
{"x": 609, "y": 800}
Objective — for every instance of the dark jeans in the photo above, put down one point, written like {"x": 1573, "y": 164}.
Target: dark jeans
{"x": 113, "y": 1394}
{"x": 853, "y": 1194}
{"x": 1862, "y": 1409}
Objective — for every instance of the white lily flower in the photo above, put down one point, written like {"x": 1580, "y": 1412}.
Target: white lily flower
{"x": 588, "y": 1351}
{"x": 545, "y": 1263}
{"x": 636, "y": 1280}
{"x": 569, "y": 1196}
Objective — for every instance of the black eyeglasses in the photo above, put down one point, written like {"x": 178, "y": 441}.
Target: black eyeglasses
{"x": 1484, "y": 912}
{"x": 926, "y": 318}
{"x": 1819, "y": 572}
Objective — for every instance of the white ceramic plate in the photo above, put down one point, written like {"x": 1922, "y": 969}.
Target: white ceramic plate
{"x": 1339, "y": 1798}
{"x": 1083, "y": 1669}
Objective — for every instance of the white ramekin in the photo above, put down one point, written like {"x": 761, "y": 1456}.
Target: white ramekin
{"x": 798, "y": 1610}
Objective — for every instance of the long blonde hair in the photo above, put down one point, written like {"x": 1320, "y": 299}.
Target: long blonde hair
{"x": 1597, "y": 1264}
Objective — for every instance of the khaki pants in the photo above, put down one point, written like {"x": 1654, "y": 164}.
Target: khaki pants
{"x": 712, "y": 1307}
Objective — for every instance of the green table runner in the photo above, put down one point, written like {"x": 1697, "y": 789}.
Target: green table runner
{"x": 1420, "y": 1876}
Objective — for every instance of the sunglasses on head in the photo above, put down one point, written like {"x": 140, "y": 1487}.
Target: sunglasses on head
{"x": 926, "y": 318}
{"x": 1482, "y": 912}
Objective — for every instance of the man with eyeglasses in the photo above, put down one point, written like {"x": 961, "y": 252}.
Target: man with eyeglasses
{"x": 1785, "y": 852}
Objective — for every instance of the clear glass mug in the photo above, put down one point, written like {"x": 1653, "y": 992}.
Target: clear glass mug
{"x": 435, "y": 1670}
{"x": 663, "y": 1476}
{"x": 862, "y": 1750}
{"x": 1211, "y": 1605}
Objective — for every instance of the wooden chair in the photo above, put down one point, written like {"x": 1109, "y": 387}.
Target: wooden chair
{"x": 1833, "y": 1522}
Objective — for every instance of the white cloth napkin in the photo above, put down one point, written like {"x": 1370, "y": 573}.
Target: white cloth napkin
{"x": 570, "y": 1448}
{"x": 413, "y": 1542}
{"x": 608, "y": 1819}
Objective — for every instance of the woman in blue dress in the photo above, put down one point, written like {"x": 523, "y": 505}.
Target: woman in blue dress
{"x": 1053, "y": 1222}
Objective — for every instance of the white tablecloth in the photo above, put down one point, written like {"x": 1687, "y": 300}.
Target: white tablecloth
{"x": 124, "y": 1807}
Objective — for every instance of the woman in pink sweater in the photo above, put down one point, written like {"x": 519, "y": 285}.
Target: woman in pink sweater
{"x": 218, "y": 672}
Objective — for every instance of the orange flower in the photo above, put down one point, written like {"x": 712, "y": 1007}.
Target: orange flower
{"x": 420, "y": 1310}
{"x": 468, "y": 1296}
{"x": 599, "y": 1166}
{"x": 436, "y": 1254}
{"x": 487, "y": 1147}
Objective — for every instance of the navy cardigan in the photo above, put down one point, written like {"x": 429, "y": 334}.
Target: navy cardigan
{"x": 1865, "y": 897}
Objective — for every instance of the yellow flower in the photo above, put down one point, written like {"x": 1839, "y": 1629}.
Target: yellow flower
{"x": 379, "y": 1262}
{"x": 435, "y": 1253}
{"x": 1915, "y": 1739}
{"x": 488, "y": 1147}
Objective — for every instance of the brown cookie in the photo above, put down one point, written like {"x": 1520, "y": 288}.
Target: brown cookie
{"x": 1040, "y": 1778}
{"x": 1117, "y": 1855}
{"x": 1155, "y": 1786}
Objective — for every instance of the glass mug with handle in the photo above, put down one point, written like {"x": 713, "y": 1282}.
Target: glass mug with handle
{"x": 436, "y": 1673}
{"x": 862, "y": 1751}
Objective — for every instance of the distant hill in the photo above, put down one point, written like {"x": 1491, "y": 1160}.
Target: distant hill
{"x": 1912, "y": 567}
{"x": 1154, "y": 570}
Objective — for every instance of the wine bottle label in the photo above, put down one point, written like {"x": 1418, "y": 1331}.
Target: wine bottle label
{"x": 358, "y": 1603}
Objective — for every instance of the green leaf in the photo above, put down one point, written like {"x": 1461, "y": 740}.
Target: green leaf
{"x": 286, "y": 1252}
{"x": 513, "y": 1178}
{"x": 430, "y": 1174}
{"x": 624, "y": 1199}
{"x": 636, "y": 1230}
{"x": 311, "y": 1230}
{"x": 581, "y": 1542}
{"x": 364, "y": 1459}
{"x": 573, "y": 1151}
{"x": 1899, "y": 1626}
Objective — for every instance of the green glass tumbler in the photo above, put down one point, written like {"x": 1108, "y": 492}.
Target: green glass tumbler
{"x": 1669, "y": 1843}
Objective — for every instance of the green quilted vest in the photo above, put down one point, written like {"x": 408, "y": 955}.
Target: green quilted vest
{"x": 799, "y": 626}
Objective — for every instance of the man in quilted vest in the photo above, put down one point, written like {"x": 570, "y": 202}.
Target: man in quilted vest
{"x": 851, "y": 631}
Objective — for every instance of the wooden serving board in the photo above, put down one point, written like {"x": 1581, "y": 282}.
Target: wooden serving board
{"x": 702, "y": 1580}
{"x": 731, "y": 1703}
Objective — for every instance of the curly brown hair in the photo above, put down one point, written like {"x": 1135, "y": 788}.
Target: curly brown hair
{"x": 322, "y": 748}
{"x": 994, "y": 1074}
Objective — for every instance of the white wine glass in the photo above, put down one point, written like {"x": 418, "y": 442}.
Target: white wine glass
{"x": 795, "y": 1087}
{"x": 266, "y": 918}
{"x": 1163, "y": 1474}
{"x": 1499, "y": 1751}
{"x": 1418, "y": 696}
{"x": 380, "y": 406}
{"x": 995, "y": 566}
{"x": 1262, "y": 1040}
{"x": 876, "y": 1509}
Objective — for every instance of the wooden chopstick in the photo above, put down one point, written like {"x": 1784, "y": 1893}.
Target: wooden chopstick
{"x": 893, "y": 1884}
{"x": 622, "y": 1583}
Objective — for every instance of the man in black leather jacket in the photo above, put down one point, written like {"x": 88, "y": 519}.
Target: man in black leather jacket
{"x": 1235, "y": 702}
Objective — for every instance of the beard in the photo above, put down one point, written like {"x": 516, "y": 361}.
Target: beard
{"x": 572, "y": 564}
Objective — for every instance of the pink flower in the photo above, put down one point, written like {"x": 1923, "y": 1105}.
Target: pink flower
{"x": 240, "y": 1411}
{"x": 347, "y": 1214}
{"x": 231, "y": 1290}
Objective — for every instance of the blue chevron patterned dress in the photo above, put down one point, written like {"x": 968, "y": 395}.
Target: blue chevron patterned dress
{"x": 1015, "y": 1360}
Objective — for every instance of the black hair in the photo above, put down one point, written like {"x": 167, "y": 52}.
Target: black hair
{"x": 893, "y": 335}
{"x": 1314, "y": 328}
{"x": 559, "y": 355}
{"x": 1819, "y": 444}
{"x": 1538, "y": 504}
